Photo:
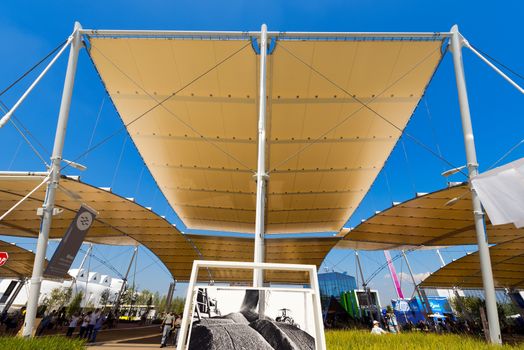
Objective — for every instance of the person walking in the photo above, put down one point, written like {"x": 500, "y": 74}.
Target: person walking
{"x": 166, "y": 326}
{"x": 98, "y": 326}
{"x": 176, "y": 328}
{"x": 85, "y": 323}
{"x": 72, "y": 325}
{"x": 92, "y": 322}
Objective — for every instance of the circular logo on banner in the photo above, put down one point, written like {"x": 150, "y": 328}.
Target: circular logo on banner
{"x": 84, "y": 221}
{"x": 3, "y": 258}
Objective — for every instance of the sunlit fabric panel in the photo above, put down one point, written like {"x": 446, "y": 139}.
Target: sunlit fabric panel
{"x": 335, "y": 110}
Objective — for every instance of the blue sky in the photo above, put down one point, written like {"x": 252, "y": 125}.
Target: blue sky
{"x": 29, "y": 30}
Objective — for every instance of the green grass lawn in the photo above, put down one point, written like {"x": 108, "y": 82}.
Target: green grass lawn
{"x": 356, "y": 340}
{"x": 43, "y": 343}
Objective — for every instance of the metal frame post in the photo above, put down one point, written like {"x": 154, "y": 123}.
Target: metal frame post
{"x": 442, "y": 262}
{"x": 366, "y": 289}
{"x": 49, "y": 202}
{"x": 261, "y": 176}
{"x": 425, "y": 306}
{"x": 75, "y": 279}
{"x": 169, "y": 297}
{"x": 124, "y": 281}
{"x": 471, "y": 158}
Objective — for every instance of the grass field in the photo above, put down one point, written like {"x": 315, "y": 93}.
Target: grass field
{"x": 361, "y": 340}
{"x": 43, "y": 343}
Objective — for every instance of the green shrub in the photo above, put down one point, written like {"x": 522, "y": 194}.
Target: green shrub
{"x": 42, "y": 343}
{"x": 363, "y": 340}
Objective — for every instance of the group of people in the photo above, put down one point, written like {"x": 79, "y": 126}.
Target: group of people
{"x": 170, "y": 327}
{"x": 12, "y": 321}
{"x": 90, "y": 324}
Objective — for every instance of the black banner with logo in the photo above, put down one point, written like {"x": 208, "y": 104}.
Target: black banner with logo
{"x": 69, "y": 245}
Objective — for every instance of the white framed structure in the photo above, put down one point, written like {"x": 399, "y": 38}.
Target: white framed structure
{"x": 314, "y": 290}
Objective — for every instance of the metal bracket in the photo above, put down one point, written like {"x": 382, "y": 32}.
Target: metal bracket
{"x": 265, "y": 177}
{"x": 56, "y": 211}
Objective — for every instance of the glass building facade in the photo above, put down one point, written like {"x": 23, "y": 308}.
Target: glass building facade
{"x": 333, "y": 284}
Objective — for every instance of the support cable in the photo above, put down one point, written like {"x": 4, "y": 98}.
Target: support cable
{"x": 364, "y": 106}
{"x": 3, "y": 107}
{"x": 15, "y": 155}
{"x": 103, "y": 262}
{"x": 119, "y": 160}
{"x": 155, "y": 259}
{"x": 512, "y": 71}
{"x": 96, "y": 123}
{"x": 139, "y": 180}
{"x": 433, "y": 129}
{"x": 33, "y": 68}
{"x": 517, "y": 145}
{"x": 160, "y": 103}
{"x": 388, "y": 185}
{"x": 107, "y": 262}
{"x": 410, "y": 175}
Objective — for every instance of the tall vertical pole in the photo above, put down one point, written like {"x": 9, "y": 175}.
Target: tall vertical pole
{"x": 87, "y": 297}
{"x": 365, "y": 286}
{"x": 471, "y": 158}
{"x": 124, "y": 282}
{"x": 49, "y": 202}
{"x": 169, "y": 297}
{"x": 423, "y": 302}
{"x": 442, "y": 262}
{"x": 75, "y": 279}
{"x": 261, "y": 176}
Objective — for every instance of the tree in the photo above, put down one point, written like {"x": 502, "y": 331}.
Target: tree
{"x": 58, "y": 298}
{"x": 75, "y": 304}
{"x": 104, "y": 297}
{"x": 143, "y": 297}
{"x": 177, "y": 306}
{"x": 128, "y": 296}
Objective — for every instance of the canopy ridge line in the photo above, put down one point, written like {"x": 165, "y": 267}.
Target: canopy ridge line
{"x": 243, "y": 35}
{"x": 364, "y": 105}
{"x": 160, "y": 103}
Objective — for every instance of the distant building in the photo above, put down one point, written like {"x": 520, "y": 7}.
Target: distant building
{"x": 92, "y": 284}
{"x": 333, "y": 284}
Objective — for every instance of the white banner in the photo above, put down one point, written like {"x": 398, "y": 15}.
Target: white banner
{"x": 501, "y": 192}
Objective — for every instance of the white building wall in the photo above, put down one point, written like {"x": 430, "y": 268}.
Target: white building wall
{"x": 91, "y": 285}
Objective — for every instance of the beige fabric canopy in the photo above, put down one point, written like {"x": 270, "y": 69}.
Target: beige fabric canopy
{"x": 121, "y": 221}
{"x": 427, "y": 221}
{"x": 311, "y": 251}
{"x": 507, "y": 262}
{"x": 336, "y": 109}
{"x": 20, "y": 262}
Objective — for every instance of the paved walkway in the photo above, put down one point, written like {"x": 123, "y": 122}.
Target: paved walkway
{"x": 137, "y": 339}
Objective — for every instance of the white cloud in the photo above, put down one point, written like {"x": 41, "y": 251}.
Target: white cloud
{"x": 405, "y": 277}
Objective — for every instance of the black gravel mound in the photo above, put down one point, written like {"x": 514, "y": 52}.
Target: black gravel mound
{"x": 214, "y": 321}
{"x": 226, "y": 336}
{"x": 283, "y": 336}
{"x": 236, "y": 317}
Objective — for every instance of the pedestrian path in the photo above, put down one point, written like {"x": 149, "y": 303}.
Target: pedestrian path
{"x": 149, "y": 341}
